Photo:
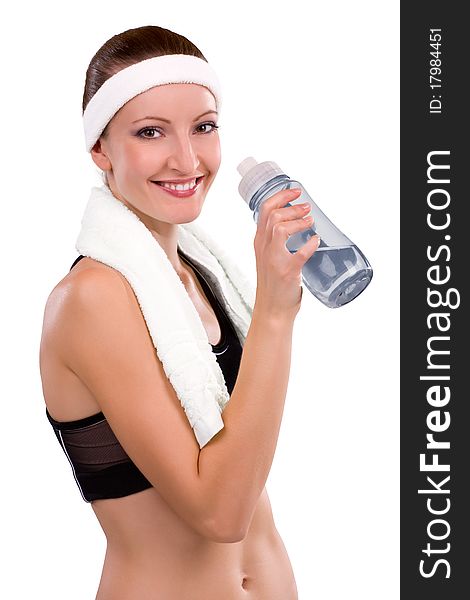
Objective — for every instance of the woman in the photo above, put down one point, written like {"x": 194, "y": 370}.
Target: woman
{"x": 183, "y": 521}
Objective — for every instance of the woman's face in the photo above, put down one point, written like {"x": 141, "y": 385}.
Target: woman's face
{"x": 164, "y": 134}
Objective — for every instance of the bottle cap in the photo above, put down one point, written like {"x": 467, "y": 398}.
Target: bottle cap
{"x": 255, "y": 175}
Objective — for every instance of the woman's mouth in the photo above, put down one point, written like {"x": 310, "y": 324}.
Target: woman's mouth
{"x": 179, "y": 190}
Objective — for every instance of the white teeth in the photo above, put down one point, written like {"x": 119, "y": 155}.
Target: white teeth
{"x": 181, "y": 187}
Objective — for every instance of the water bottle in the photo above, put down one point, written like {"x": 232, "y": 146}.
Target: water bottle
{"x": 338, "y": 271}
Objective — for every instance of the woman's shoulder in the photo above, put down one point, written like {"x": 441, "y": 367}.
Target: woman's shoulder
{"x": 84, "y": 281}
{"x": 90, "y": 288}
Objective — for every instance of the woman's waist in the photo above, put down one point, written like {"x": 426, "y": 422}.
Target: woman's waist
{"x": 258, "y": 563}
{"x": 148, "y": 544}
{"x": 182, "y": 548}
{"x": 142, "y": 525}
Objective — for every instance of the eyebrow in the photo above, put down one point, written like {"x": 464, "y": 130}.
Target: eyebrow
{"x": 167, "y": 121}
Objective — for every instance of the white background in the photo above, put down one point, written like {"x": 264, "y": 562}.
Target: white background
{"x": 313, "y": 86}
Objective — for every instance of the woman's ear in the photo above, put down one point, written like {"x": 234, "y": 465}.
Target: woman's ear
{"x": 99, "y": 156}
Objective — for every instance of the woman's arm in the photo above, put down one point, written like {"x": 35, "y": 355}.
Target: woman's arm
{"x": 235, "y": 464}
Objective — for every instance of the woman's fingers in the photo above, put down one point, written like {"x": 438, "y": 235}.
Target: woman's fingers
{"x": 278, "y": 200}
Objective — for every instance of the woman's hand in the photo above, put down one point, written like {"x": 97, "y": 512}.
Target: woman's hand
{"x": 279, "y": 277}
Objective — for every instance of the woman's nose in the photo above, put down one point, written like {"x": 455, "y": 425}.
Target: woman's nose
{"x": 183, "y": 156}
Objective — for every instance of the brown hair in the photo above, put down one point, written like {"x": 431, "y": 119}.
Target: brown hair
{"x": 130, "y": 47}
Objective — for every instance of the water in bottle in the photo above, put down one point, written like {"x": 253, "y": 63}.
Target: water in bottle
{"x": 338, "y": 271}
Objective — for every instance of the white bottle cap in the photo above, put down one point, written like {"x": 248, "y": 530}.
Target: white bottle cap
{"x": 246, "y": 165}
{"x": 255, "y": 175}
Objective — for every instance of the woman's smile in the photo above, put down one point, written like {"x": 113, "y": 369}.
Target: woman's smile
{"x": 180, "y": 190}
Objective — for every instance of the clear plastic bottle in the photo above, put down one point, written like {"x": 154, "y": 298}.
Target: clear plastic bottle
{"x": 338, "y": 271}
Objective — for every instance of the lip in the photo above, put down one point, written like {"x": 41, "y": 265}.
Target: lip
{"x": 181, "y": 193}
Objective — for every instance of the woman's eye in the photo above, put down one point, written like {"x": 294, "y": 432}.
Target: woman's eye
{"x": 148, "y": 129}
{"x": 213, "y": 125}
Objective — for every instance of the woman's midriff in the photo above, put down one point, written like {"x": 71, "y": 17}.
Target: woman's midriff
{"x": 152, "y": 554}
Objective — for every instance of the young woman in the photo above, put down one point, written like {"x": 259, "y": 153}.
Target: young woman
{"x": 183, "y": 521}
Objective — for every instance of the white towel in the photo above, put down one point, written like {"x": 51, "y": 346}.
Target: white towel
{"x": 114, "y": 235}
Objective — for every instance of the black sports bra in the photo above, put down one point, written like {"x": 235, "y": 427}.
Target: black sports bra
{"x": 100, "y": 466}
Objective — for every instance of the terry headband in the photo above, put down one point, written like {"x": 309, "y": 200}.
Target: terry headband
{"x": 140, "y": 77}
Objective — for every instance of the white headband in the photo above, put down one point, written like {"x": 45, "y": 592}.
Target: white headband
{"x": 140, "y": 77}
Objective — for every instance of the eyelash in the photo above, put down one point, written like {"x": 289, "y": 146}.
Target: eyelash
{"x": 214, "y": 128}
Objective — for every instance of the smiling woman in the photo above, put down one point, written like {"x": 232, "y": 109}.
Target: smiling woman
{"x": 135, "y": 152}
{"x": 179, "y": 491}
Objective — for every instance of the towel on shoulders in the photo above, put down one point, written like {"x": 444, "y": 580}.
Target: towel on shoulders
{"x": 113, "y": 234}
